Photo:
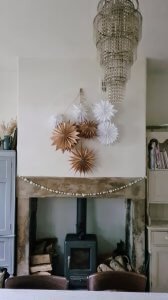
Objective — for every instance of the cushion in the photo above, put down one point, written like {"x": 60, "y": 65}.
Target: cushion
{"x": 2, "y": 278}
{"x": 3, "y": 275}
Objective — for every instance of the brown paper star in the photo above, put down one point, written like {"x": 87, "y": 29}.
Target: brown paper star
{"x": 65, "y": 136}
{"x": 82, "y": 160}
{"x": 87, "y": 129}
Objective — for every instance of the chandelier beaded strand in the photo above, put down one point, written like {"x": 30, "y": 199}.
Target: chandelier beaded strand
{"x": 111, "y": 191}
{"x": 117, "y": 32}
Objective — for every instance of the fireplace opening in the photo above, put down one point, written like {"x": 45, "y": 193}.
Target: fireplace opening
{"x": 43, "y": 252}
{"x": 106, "y": 215}
{"x": 51, "y": 219}
{"x": 80, "y": 250}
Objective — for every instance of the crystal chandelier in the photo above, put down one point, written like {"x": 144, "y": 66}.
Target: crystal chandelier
{"x": 117, "y": 31}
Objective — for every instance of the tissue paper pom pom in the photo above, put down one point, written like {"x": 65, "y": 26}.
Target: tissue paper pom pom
{"x": 55, "y": 120}
{"x": 104, "y": 111}
{"x": 79, "y": 112}
{"x": 65, "y": 136}
{"x": 107, "y": 133}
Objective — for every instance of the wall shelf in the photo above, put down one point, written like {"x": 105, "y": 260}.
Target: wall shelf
{"x": 157, "y": 207}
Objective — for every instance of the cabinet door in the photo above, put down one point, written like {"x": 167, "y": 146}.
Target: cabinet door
{"x": 5, "y": 195}
{"x": 158, "y": 186}
{"x": 7, "y": 254}
{"x": 159, "y": 269}
{"x": 4, "y": 252}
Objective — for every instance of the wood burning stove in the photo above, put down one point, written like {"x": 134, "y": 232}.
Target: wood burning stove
{"x": 80, "y": 250}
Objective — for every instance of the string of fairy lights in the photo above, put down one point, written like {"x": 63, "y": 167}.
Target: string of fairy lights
{"x": 70, "y": 194}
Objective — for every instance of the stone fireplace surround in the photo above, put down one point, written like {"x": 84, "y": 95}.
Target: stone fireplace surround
{"x": 26, "y": 191}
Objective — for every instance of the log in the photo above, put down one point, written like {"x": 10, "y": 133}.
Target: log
{"x": 42, "y": 273}
{"x": 41, "y": 268}
{"x": 40, "y": 259}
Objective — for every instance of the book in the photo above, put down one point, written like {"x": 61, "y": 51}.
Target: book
{"x": 165, "y": 156}
{"x": 158, "y": 162}
{"x": 162, "y": 162}
{"x": 152, "y": 156}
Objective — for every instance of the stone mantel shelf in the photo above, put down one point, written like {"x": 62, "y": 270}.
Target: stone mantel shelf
{"x": 81, "y": 186}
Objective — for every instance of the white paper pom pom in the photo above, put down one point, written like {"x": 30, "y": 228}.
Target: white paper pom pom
{"x": 79, "y": 112}
{"x": 107, "y": 133}
{"x": 55, "y": 120}
{"x": 104, "y": 111}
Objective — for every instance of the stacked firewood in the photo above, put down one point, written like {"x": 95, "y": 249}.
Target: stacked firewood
{"x": 41, "y": 260}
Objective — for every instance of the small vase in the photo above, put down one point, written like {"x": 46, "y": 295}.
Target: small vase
{"x": 1, "y": 144}
{"x": 7, "y": 142}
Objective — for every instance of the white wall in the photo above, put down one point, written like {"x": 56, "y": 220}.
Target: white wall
{"x": 105, "y": 217}
{"x": 49, "y": 86}
{"x": 157, "y": 96}
{"x": 8, "y": 89}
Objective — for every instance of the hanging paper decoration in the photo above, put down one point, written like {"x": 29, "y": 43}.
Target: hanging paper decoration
{"x": 79, "y": 112}
{"x": 82, "y": 160}
{"x": 67, "y": 133}
{"x": 65, "y": 136}
{"x": 107, "y": 133}
{"x": 55, "y": 120}
{"x": 104, "y": 111}
{"x": 87, "y": 129}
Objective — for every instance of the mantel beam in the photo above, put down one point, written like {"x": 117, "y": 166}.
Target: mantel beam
{"x": 82, "y": 185}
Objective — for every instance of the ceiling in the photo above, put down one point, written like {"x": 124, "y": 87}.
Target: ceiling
{"x": 63, "y": 28}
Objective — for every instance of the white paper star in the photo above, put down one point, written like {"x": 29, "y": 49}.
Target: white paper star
{"x": 107, "y": 133}
{"x": 104, "y": 111}
{"x": 79, "y": 112}
{"x": 55, "y": 120}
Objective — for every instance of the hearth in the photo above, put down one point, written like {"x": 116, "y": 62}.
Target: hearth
{"x": 80, "y": 250}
